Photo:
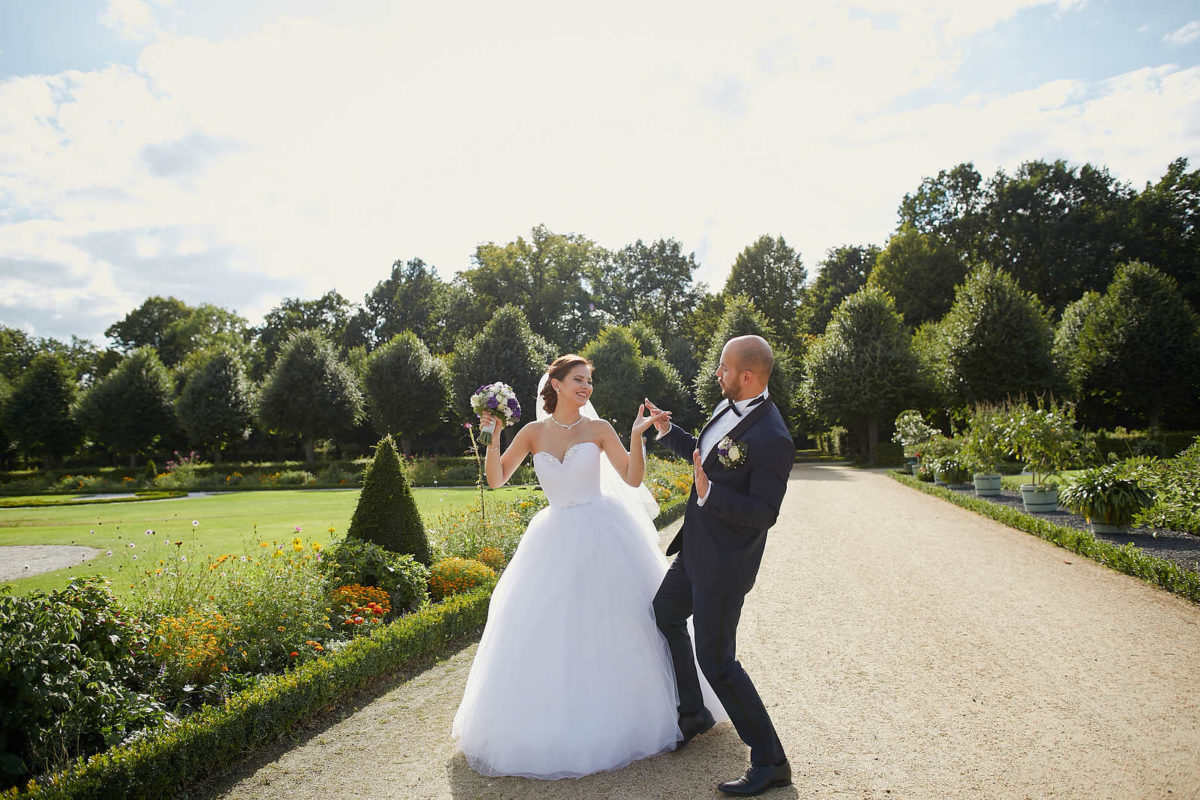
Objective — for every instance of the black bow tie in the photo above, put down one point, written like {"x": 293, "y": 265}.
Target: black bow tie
{"x": 731, "y": 405}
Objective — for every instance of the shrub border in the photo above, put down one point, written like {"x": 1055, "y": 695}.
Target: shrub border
{"x": 1126, "y": 558}
{"x": 67, "y": 501}
{"x": 168, "y": 760}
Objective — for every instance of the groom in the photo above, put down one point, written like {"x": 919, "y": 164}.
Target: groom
{"x": 735, "y": 499}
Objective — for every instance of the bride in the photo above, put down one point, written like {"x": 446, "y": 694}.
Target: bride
{"x": 572, "y": 675}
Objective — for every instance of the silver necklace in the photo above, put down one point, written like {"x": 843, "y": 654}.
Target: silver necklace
{"x": 568, "y": 427}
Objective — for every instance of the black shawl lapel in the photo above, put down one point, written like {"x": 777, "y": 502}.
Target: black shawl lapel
{"x": 749, "y": 418}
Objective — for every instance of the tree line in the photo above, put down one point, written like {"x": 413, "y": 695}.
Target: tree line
{"x": 1094, "y": 282}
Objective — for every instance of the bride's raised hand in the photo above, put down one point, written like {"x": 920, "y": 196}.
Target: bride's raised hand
{"x": 642, "y": 422}
{"x": 488, "y": 418}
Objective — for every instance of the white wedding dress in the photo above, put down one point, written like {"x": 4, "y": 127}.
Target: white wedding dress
{"x": 572, "y": 675}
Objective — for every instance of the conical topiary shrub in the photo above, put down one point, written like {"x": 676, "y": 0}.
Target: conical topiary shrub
{"x": 386, "y": 513}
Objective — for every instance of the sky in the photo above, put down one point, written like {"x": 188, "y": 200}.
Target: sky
{"x": 237, "y": 152}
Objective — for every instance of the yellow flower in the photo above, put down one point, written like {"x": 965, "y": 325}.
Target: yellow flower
{"x": 316, "y": 546}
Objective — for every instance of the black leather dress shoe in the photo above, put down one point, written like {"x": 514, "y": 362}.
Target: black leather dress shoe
{"x": 693, "y": 724}
{"x": 758, "y": 779}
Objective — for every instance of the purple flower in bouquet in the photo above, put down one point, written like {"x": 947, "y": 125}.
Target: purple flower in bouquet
{"x": 500, "y": 400}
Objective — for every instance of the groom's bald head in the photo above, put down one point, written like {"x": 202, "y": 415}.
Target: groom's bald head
{"x": 752, "y": 353}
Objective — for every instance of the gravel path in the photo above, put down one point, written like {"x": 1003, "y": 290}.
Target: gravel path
{"x": 905, "y": 647}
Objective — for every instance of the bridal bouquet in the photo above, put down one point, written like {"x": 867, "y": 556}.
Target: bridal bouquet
{"x": 501, "y": 400}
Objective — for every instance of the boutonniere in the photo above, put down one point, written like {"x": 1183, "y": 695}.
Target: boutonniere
{"x": 731, "y": 454}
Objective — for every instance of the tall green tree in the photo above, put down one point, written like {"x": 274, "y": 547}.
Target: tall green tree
{"x": 952, "y": 207}
{"x": 203, "y": 328}
{"x": 505, "y": 350}
{"x": 146, "y": 325}
{"x": 843, "y": 272}
{"x": 412, "y": 298}
{"x": 328, "y": 315}
{"x": 1165, "y": 228}
{"x": 996, "y": 342}
{"x": 130, "y": 409}
{"x": 1066, "y": 337}
{"x": 863, "y": 370}
{"x": 742, "y": 318}
{"x": 1138, "y": 351}
{"x": 771, "y": 274}
{"x": 551, "y": 276}
{"x": 215, "y": 406}
{"x": 1059, "y": 230}
{"x": 38, "y": 413}
{"x": 6, "y": 442}
{"x": 649, "y": 283}
{"x": 386, "y": 513}
{"x": 920, "y": 273}
{"x": 407, "y": 388}
{"x": 309, "y": 392}
{"x": 629, "y": 366}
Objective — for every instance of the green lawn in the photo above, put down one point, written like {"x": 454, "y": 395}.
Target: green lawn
{"x": 228, "y": 523}
{"x": 1014, "y": 481}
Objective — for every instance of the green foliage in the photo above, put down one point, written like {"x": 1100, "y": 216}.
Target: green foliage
{"x": 995, "y": 342}
{"x": 1044, "y": 439}
{"x": 952, "y": 207}
{"x": 547, "y": 276}
{"x": 130, "y": 409}
{"x": 863, "y": 370}
{"x": 1128, "y": 559}
{"x": 920, "y": 273}
{"x": 146, "y": 325}
{"x": 214, "y": 406}
{"x": 366, "y": 563}
{"x": 650, "y": 284}
{"x": 1163, "y": 229}
{"x": 407, "y": 389}
{"x": 412, "y": 298}
{"x": 309, "y": 393}
{"x": 1139, "y": 348}
{"x": 1066, "y": 336}
{"x": 742, "y": 318}
{"x": 1105, "y": 495}
{"x": 1175, "y": 485}
{"x": 505, "y": 350}
{"x": 770, "y": 273}
{"x": 324, "y": 318}
{"x": 170, "y": 760}
{"x": 843, "y": 272}
{"x": 627, "y": 371}
{"x": 986, "y": 443}
{"x": 37, "y": 415}
{"x": 73, "y": 660}
{"x": 386, "y": 513}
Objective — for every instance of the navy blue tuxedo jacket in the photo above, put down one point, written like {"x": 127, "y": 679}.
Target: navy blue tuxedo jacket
{"x": 721, "y": 543}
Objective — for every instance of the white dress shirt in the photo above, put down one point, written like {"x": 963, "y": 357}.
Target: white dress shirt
{"x": 720, "y": 427}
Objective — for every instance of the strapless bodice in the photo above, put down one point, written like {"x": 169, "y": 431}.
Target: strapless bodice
{"x": 573, "y": 481}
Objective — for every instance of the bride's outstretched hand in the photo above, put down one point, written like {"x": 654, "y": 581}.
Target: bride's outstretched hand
{"x": 659, "y": 418}
{"x": 641, "y": 422}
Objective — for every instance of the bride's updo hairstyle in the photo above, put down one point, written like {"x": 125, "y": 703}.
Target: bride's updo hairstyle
{"x": 558, "y": 370}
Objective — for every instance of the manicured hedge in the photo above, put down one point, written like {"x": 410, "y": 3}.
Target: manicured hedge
{"x": 170, "y": 759}
{"x": 1127, "y": 558}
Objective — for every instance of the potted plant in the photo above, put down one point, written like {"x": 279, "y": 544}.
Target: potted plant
{"x": 1107, "y": 497}
{"x": 1045, "y": 440}
{"x": 934, "y": 451}
{"x": 951, "y": 471}
{"x": 911, "y": 433}
{"x": 985, "y": 447}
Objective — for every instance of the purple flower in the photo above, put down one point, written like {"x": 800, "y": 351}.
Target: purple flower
{"x": 514, "y": 405}
{"x": 492, "y": 402}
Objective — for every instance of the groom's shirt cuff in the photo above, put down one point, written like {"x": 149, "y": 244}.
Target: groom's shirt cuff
{"x": 700, "y": 500}
{"x": 659, "y": 437}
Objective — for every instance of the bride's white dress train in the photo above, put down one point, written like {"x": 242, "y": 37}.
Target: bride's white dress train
{"x": 572, "y": 675}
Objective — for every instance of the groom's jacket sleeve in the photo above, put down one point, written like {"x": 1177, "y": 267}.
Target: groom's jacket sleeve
{"x": 759, "y": 507}
{"x": 680, "y": 442}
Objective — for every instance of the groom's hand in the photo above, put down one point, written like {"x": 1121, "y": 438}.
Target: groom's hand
{"x": 660, "y": 418}
{"x": 701, "y": 477}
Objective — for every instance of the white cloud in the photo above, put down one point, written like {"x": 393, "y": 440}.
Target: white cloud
{"x": 134, "y": 20}
{"x": 1185, "y": 34}
{"x": 311, "y": 154}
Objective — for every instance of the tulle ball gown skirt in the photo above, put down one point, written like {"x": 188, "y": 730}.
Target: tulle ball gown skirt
{"x": 572, "y": 675}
